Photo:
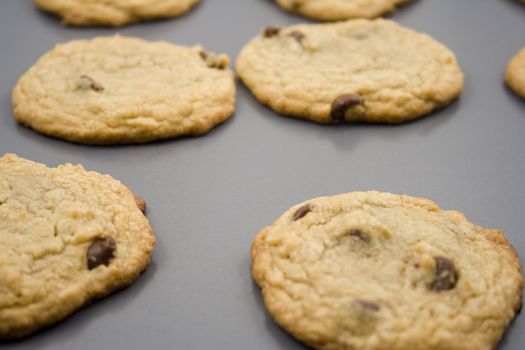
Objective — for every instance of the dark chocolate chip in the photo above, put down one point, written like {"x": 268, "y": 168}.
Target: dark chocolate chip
{"x": 302, "y": 211}
{"x": 270, "y": 32}
{"x": 359, "y": 234}
{"x": 85, "y": 82}
{"x": 367, "y": 305}
{"x": 344, "y": 103}
{"x": 297, "y": 35}
{"x": 296, "y": 5}
{"x": 446, "y": 276}
{"x": 213, "y": 60}
{"x": 141, "y": 203}
{"x": 100, "y": 252}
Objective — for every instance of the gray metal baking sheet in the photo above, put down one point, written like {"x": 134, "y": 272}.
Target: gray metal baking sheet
{"x": 209, "y": 196}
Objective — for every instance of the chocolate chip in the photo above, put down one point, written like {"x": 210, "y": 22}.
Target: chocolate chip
{"x": 344, "y": 103}
{"x": 296, "y": 5}
{"x": 297, "y": 35}
{"x": 446, "y": 276}
{"x": 85, "y": 82}
{"x": 100, "y": 252}
{"x": 367, "y": 305}
{"x": 213, "y": 60}
{"x": 270, "y": 32}
{"x": 359, "y": 234}
{"x": 302, "y": 211}
{"x": 141, "y": 203}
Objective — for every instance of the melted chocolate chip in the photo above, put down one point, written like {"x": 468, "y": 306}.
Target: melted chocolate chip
{"x": 85, "y": 82}
{"x": 344, "y": 103}
{"x": 141, "y": 203}
{"x": 367, "y": 305}
{"x": 297, "y": 35}
{"x": 302, "y": 211}
{"x": 100, "y": 252}
{"x": 446, "y": 276}
{"x": 270, "y": 32}
{"x": 359, "y": 234}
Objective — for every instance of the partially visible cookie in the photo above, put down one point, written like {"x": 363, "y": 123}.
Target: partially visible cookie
{"x": 337, "y": 10}
{"x": 375, "y": 271}
{"x": 353, "y": 71}
{"x": 113, "y": 13}
{"x": 113, "y": 90}
{"x": 67, "y": 236}
{"x": 515, "y": 73}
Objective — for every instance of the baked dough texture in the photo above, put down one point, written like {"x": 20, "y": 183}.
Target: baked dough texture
{"x": 515, "y": 73}
{"x": 113, "y": 13}
{"x": 67, "y": 236}
{"x": 375, "y": 271}
{"x": 354, "y": 71}
{"x": 338, "y": 10}
{"x": 114, "y": 90}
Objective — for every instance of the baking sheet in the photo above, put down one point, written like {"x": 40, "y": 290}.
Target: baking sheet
{"x": 208, "y": 197}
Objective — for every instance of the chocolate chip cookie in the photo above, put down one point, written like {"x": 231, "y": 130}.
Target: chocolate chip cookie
{"x": 338, "y": 10}
{"x": 113, "y": 13}
{"x": 515, "y": 73}
{"x": 114, "y": 90}
{"x": 375, "y": 271}
{"x": 67, "y": 236}
{"x": 354, "y": 71}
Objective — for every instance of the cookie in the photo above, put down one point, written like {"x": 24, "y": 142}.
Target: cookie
{"x": 338, "y": 10}
{"x": 113, "y": 13}
{"x": 375, "y": 271}
{"x": 515, "y": 73}
{"x": 354, "y": 71}
{"x": 114, "y": 90}
{"x": 67, "y": 237}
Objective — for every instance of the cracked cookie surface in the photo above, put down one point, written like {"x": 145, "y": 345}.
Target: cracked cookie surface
{"x": 112, "y": 90}
{"x": 67, "y": 236}
{"x": 375, "y": 271}
{"x": 515, "y": 73}
{"x": 353, "y": 71}
{"x": 337, "y": 10}
{"x": 113, "y": 13}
